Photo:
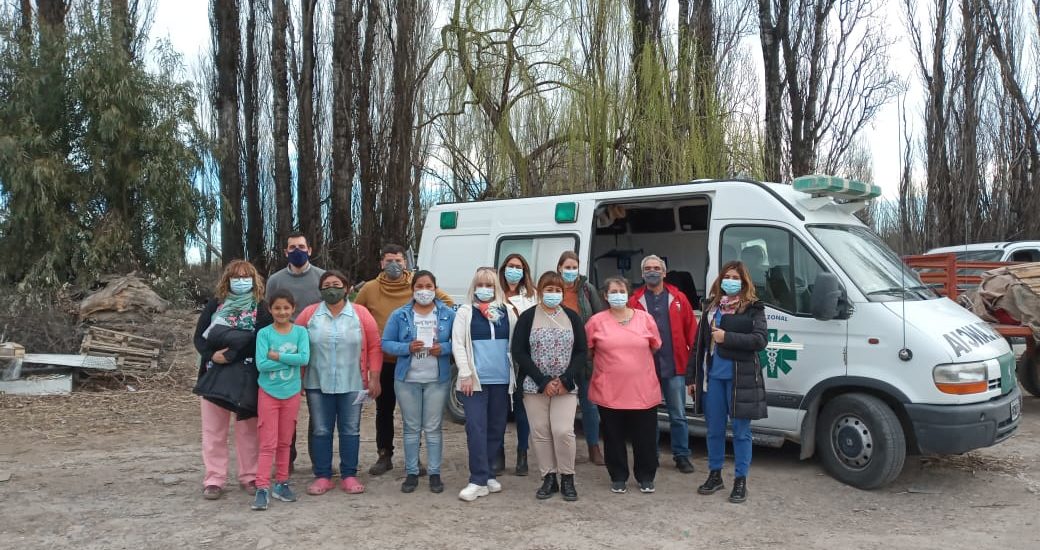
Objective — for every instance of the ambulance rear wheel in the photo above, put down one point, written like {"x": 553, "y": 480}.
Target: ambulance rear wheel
{"x": 454, "y": 406}
{"x": 1029, "y": 374}
{"x": 861, "y": 441}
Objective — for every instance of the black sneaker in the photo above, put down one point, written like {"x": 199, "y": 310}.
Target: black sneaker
{"x": 684, "y": 465}
{"x": 646, "y": 487}
{"x": 570, "y": 494}
{"x": 739, "y": 492}
{"x": 618, "y": 487}
{"x": 712, "y": 484}
{"x": 436, "y": 485}
{"x": 410, "y": 483}
{"x": 550, "y": 486}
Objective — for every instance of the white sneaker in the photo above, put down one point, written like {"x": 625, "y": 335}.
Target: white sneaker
{"x": 472, "y": 491}
{"x": 494, "y": 486}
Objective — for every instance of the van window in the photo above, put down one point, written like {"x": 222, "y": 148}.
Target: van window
{"x": 780, "y": 266}
{"x": 455, "y": 259}
{"x": 541, "y": 251}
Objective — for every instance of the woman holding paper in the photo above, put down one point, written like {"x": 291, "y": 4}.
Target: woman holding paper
{"x": 725, "y": 376}
{"x": 345, "y": 362}
{"x": 419, "y": 334}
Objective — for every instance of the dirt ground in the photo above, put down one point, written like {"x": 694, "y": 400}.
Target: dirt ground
{"x": 122, "y": 469}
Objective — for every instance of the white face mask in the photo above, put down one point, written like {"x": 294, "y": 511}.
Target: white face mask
{"x": 424, "y": 297}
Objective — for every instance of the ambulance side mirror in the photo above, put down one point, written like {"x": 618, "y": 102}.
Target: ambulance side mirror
{"x": 829, "y": 300}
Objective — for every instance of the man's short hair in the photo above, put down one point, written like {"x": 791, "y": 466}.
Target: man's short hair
{"x": 642, "y": 264}
{"x": 391, "y": 249}
{"x": 296, "y": 235}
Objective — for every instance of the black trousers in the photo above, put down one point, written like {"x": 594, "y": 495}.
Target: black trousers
{"x": 385, "y": 405}
{"x": 617, "y": 427}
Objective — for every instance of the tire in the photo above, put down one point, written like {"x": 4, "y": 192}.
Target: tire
{"x": 454, "y": 405}
{"x": 1029, "y": 374}
{"x": 860, "y": 441}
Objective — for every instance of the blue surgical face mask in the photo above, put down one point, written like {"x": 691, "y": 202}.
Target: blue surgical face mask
{"x": 241, "y": 285}
{"x": 552, "y": 299}
{"x": 731, "y": 286}
{"x": 569, "y": 275}
{"x": 513, "y": 275}
{"x": 484, "y": 294}
{"x": 617, "y": 300}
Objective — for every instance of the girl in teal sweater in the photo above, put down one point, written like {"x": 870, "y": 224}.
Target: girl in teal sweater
{"x": 282, "y": 349}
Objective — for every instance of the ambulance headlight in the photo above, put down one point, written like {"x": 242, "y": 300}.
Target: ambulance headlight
{"x": 961, "y": 378}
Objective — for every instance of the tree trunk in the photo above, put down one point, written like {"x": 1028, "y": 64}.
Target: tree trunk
{"x": 368, "y": 157}
{"x": 770, "y": 34}
{"x": 280, "y": 121}
{"x": 308, "y": 208}
{"x": 26, "y": 13}
{"x": 255, "y": 249}
{"x": 399, "y": 171}
{"x": 937, "y": 161}
{"x": 225, "y": 103}
{"x": 344, "y": 52}
{"x": 646, "y": 33}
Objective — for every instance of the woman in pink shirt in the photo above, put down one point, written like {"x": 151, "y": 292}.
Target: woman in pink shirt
{"x": 624, "y": 384}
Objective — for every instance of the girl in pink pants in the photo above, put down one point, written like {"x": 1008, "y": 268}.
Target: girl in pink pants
{"x": 282, "y": 349}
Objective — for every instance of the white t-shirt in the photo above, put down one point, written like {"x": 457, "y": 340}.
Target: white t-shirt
{"x": 424, "y": 365}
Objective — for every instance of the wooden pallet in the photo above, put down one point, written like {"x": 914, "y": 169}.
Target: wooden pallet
{"x": 131, "y": 352}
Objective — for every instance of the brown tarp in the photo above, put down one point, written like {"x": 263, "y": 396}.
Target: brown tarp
{"x": 1003, "y": 294}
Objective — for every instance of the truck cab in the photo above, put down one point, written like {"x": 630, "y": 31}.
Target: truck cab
{"x": 865, "y": 364}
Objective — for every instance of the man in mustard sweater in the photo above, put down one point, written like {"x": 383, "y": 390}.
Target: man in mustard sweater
{"x": 390, "y": 290}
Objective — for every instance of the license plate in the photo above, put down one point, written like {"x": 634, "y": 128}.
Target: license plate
{"x": 1016, "y": 409}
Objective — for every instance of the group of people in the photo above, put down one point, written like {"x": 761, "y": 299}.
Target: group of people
{"x": 542, "y": 346}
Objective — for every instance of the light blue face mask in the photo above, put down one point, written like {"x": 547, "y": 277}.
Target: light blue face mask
{"x": 731, "y": 286}
{"x": 569, "y": 275}
{"x": 552, "y": 299}
{"x": 484, "y": 294}
{"x": 514, "y": 274}
{"x": 617, "y": 300}
{"x": 241, "y": 285}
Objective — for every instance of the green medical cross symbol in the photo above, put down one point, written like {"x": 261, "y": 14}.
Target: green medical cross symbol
{"x": 776, "y": 360}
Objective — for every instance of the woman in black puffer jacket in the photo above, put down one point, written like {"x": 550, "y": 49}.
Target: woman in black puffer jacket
{"x": 725, "y": 376}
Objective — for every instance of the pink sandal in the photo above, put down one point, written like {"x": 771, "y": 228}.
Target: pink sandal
{"x": 352, "y": 486}
{"x": 320, "y": 486}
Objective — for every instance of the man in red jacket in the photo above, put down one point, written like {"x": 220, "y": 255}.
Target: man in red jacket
{"x": 678, "y": 327}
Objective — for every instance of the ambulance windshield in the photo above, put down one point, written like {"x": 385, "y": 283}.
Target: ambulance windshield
{"x": 873, "y": 267}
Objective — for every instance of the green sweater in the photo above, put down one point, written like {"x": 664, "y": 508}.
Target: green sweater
{"x": 281, "y": 378}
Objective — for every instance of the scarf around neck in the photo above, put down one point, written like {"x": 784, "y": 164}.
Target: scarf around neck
{"x": 237, "y": 311}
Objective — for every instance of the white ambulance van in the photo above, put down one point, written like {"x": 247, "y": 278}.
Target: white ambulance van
{"x": 865, "y": 364}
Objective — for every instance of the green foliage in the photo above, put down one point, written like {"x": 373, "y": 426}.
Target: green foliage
{"x": 99, "y": 177}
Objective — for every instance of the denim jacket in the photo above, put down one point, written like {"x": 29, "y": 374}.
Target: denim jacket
{"x": 400, "y": 333}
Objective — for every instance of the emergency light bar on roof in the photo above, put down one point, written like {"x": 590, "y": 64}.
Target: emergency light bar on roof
{"x": 851, "y": 195}
{"x": 838, "y": 188}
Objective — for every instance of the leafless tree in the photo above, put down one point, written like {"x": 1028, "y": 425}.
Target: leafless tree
{"x": 225, "y": 18}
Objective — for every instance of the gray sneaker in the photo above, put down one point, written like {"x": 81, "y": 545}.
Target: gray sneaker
{"x": 261, "y": 500}
{"x": 282, "y": 492}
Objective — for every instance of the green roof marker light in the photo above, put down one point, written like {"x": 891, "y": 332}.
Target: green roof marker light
{"x": 566, "y": 212}
{"x": 449, "y": 220}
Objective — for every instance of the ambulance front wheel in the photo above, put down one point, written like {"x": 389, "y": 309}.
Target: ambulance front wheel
{"x": 1029, "y": 374}
{"x": 860, "y": 441}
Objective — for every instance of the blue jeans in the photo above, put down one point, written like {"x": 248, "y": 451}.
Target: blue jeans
{"x": 717, "y": 407}
{"x": 422, "y": 410}
{"x": 589, "y": 413}
{"x": 486, "y": 415}
{"x": 523, "y": 427}
{"x": 674, "y": 391}
{"x": 335, "y": 411}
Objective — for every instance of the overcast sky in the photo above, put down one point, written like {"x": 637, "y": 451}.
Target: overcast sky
{"x": 186, "y": 24}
